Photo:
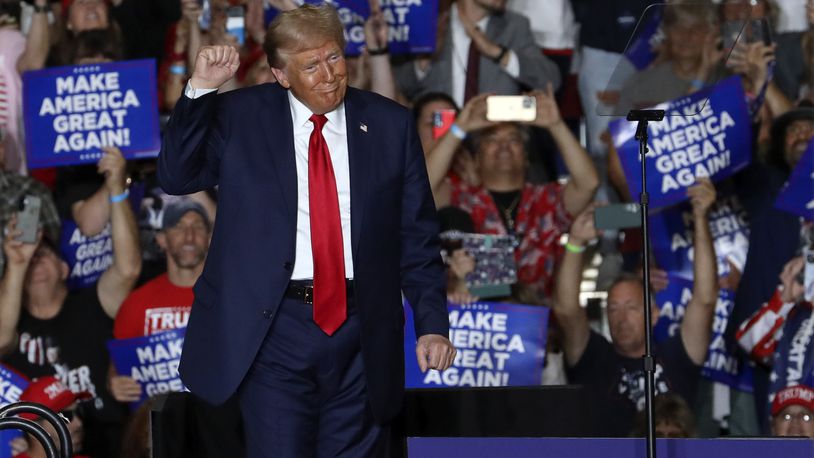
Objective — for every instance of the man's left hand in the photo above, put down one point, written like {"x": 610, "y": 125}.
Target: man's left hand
{"x": 434, "y": 351}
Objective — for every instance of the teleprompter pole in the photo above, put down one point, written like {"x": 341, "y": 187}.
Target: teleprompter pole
{"x": 642, "y": 117}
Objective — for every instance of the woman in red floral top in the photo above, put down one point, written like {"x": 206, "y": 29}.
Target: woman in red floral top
{"x": 503, "y": 202}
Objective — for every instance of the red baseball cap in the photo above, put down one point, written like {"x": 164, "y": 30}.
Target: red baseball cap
{"x": 52, "y": 393}
{"x": 800, "y": 395}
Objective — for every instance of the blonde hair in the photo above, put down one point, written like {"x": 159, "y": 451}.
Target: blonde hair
{"x": 306, "y": 27}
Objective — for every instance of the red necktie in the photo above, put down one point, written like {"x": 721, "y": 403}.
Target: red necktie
{"x": 330, "y": 299}
{"x": 472, "y": 69}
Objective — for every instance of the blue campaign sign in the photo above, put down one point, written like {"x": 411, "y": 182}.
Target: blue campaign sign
{"x": 794, "y": 356}
{"x": 641, "y": 51}
{"x": 498, "y": 345}
{"x": 151, "y": 360}
{"x": 797, "y": 196}
{"x": 70, "y": 113}
{"x": 12, "y": 386}
{"x": 707, "y": 133}
{"x": 411, "y": 24}
{"x": 721, "y": 365}
{"x": 87, "y": 257}
{"x": 672, "y": 236}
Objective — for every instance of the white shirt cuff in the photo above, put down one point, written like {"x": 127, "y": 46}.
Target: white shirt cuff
{"x": 193, "y": 93}
{"x": 513, "y": 66}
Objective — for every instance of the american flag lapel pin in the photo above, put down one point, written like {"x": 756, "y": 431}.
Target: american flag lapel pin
{"x": 363, "y": 126}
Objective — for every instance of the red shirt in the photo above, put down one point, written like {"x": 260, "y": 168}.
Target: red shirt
{"x": 541, "y": 220}
{"x": 157, "y": 306}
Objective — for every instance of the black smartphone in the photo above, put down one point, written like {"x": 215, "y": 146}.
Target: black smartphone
{"x": 617, "y": 216}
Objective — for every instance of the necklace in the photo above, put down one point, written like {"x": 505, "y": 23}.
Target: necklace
{"x": 508, "y": 210}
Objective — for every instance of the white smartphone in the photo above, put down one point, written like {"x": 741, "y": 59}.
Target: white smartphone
{"x": 511, "y": 108}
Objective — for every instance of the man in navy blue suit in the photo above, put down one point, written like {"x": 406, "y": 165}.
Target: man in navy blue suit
{"x": 325, "y": 216}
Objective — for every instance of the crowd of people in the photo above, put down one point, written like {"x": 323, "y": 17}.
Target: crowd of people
{"x": 537, "y": 181}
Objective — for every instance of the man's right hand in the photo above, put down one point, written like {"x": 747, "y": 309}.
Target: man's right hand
{"x": 214, "y": 66}
{"x": 18, "y": 254}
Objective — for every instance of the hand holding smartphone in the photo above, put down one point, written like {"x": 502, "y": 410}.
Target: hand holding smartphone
{"x": 441, "y": 121}
{"x": 28, "y": 218}
{"x": 507, "y": 108}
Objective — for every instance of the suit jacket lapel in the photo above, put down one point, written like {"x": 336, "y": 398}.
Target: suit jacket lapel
{"x": 278, "y": 128}
{"x": 359, "y": 157}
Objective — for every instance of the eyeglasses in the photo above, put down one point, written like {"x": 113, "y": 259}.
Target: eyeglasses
{"x": 805, "y": 417}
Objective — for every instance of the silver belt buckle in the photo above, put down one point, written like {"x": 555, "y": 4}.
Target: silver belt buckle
{"x": 308, "y": 295}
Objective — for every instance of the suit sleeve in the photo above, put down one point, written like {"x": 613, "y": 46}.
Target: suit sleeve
{"x": 536, "y": 70}
{"x": 192, "y": 145}
{"x": 422, "y": 271}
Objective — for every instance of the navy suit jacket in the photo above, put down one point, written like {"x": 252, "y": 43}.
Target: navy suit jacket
{"x": 243, "y": 142}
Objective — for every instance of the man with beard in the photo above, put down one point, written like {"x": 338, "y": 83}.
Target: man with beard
{"x": 163, "y": 304}
{"x": 612, "y": 372}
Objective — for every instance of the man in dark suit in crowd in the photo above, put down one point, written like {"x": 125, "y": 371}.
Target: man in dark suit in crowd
{"x": 325, "y": 216}
{"x": 481, "y": 48}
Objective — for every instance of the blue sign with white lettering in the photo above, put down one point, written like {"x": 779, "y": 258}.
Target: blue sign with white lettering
{"x": 87, "y": 257}
{"x": 70, "y": 113}
{"x": 707, "y": 133}
{"x": 498, "y": 345}
{"x": 794, "y": 356}
{"x": 411, "y": 24}
{"x": 152, "y": 361}
{"x": 672, "y": 236}
{"x": 797, "y": 196}
{"x": 12, "y": 386}
{"x": 721, "y": 365}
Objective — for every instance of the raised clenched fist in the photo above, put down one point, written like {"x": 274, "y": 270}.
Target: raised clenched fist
{"x": 214, "y": 66}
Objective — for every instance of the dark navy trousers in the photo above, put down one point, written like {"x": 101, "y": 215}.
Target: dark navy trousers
{"x": 305, "y": 394}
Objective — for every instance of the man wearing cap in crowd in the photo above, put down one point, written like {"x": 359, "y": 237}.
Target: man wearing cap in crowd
{"x": 54, "y": 395}
{"x": 793, "y": 412}
{"x": 325, "y": 216}
{"x": 164, "y": 304}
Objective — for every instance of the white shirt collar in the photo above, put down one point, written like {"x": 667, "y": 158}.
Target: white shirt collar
{"x": 301, "y": 115}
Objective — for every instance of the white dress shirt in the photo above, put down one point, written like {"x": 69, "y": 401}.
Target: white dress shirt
{"x": 552, "y": 22}
{"x": 460, "y": 55}
{"x": 336, "y": 137}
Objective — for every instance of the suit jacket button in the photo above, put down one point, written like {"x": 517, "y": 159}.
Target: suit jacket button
{"x": 267, "y": 314}
{"x": 288, "y": 266}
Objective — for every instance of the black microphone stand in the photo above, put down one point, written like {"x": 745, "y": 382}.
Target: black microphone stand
{"x": 642, "y": 117}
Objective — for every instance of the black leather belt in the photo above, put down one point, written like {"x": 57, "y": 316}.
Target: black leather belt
{"x": 303, "y": 290}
